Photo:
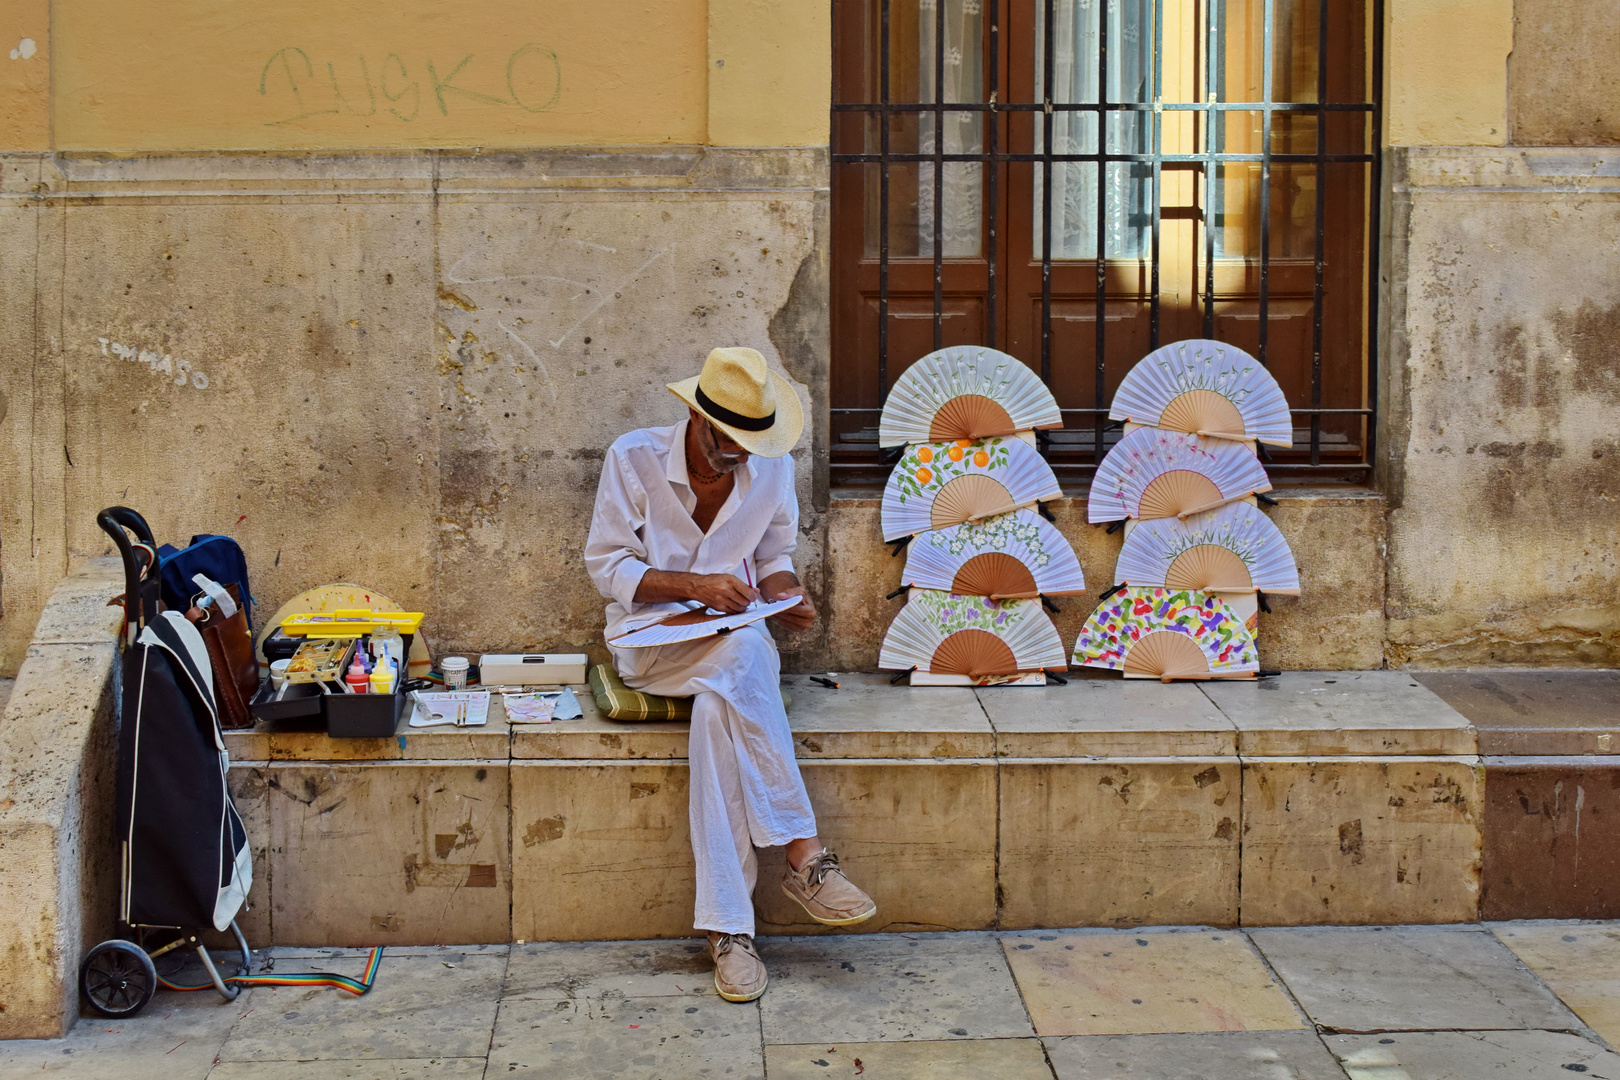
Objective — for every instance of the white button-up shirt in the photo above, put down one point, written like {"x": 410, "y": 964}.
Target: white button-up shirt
{"x": 643, "y": 521}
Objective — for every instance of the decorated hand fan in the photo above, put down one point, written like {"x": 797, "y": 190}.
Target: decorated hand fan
{"x": 1167, "y": 634}
{"x": 1009, "y": 555}
{"x": 1233, "y": 549}
{"x": 1153, "y": 474}
{"x": 944, "y": 633}
{"x": 1205, "y": 388}
{"x": 940, "y": 484}
{"x": 965, "y": 392}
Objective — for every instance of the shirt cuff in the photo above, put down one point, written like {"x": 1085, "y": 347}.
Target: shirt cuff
{"x": 627, "y": 579}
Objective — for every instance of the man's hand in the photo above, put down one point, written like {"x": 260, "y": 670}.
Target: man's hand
{"x": 722, "y": 592}
{"x": 780, "y": 586}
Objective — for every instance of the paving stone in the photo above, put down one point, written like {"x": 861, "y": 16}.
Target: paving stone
{"x": 1340, "y": 713}
{"x": 889, "y": 987}
{"x": 1119, "y": 842}
{"x": 1409, "y": 979}
{"x": 866, "y": 717}
{"x": 1536, "y": 711}
{"x": 618, "y": 1037}
{"x": 406, "y": 1069}
{"x": 1361, "y": 840}
{"x": 965, "y": 1059}
{"x": 1579, "y": 961}
{"x": 1222, "y": 1055}
{"x": 554, "y": 970}
{"x": 1147, "y": 982}
{"x": 1552, "y": 838}
{"x": 174, "y": 1038}
{"x": 420, "y": 1007}
{"x": 1472, "y": 1055}
{"x": 1107, "y": 718}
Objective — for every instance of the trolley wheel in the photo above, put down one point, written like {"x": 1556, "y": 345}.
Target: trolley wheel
{"x": 118, "y": 978}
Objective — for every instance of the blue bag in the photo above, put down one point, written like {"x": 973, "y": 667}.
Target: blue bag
{"x": 217, "y": 557}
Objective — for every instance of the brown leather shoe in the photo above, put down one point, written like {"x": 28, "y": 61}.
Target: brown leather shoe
{"x": 821, "y": 889}
{"x": 739, "y": 973}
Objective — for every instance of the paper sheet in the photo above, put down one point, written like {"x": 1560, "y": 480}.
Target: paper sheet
{"x": 459, "y": 708}
{"x": 693, "y": 626}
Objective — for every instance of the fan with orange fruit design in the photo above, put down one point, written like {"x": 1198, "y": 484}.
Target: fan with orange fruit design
{"x": 941, "y": 484}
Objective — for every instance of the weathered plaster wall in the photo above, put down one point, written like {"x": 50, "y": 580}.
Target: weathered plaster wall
{"x": 1563, "y": 86}
{"x": 400, "y": 369}
{"x": 1502, "y": 381}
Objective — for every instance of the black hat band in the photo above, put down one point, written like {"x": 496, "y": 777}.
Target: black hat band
{"x": 735, "y": 419}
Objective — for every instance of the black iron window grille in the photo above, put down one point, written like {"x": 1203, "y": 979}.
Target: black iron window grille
{"x": 1079, "y": 181}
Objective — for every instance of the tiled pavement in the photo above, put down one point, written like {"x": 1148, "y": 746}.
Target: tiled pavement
{"x": 1519, "y": 1001}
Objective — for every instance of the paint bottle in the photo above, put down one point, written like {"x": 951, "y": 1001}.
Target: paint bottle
{"x": 357, "y": 677}
{"x": 382, "y": 676}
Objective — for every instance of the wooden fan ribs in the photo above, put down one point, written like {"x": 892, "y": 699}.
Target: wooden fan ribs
{"x": 973, "y": 653}
{"x": 967, "y": 498}
{"x": 1175, "y": 491}
{"x": 1208, "y": 566}
{"x": 1202, "y": 410}
{"x": 995, "y": 574}
{"x": 1166, "y": 652}
{"x": 969, "y": 416}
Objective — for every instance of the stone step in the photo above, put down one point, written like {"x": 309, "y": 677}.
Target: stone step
{"x": 1317, "y": 797}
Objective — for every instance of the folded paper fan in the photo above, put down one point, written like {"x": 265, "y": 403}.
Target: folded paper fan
{"x": 940, "y": 484}
{"x": 1009, "y": 555}
{"x": 1167, "y": 634}
{"x": 943, "y": 633}
{"x": 1153, "y": 474}
{"x": 1206, "y": 388}
{"x": 1235, "y": 548}
{"x": 965, "y": 392}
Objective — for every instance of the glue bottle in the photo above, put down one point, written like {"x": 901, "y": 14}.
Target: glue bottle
{"x": 357, "y": 677}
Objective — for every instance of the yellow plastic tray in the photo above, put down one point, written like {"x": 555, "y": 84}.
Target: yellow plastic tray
{"x": 349, "y": 623}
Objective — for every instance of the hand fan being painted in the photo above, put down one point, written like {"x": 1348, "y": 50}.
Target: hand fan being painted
{"x": 965, "y": 392}
{"x": 1006, "y": 556}
{"x": 1205, "y": 388}
{"x": 1235, "y": 548}
{"x": 940, "y": 484}
{"x": 691, "y": 625}
{"x": 943, "y": 633}
{"x": 1167, "y": 634}
{"x": 1153, "y": 474}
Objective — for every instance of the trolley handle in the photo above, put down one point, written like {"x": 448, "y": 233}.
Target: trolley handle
{"x": 140, "y": 560}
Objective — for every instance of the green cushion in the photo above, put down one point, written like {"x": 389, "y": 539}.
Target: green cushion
{"x": 618, "y": 702}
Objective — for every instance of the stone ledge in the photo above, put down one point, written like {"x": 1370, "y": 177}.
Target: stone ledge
{"x": 58, "y": 864}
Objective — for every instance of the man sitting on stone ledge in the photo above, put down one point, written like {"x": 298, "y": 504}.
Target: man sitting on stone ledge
{"x": 695, "y": 512}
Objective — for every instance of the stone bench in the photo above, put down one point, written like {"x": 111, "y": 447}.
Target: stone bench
{"x": 1317, "y": 797}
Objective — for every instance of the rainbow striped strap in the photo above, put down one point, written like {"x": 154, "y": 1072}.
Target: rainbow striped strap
{"x": 357, "y": 987}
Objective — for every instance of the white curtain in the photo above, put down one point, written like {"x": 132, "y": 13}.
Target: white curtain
{"x": 962, "y": 202}
{"x": 1077, "y": 49}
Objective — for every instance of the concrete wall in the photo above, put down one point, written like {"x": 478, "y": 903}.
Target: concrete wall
{"x": 1502, "y": 377}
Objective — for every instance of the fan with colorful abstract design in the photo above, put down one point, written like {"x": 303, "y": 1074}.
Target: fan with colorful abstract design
{"x": 1167, "y": 634}
{"x": 1009, "y": 555}
{"x": 965, "y": 392}
{"x": 1234, "y": 548}
{"x": 941, "y": 484}
{"x": 1205, "y": 388}
{"x": 1152, "y": 473}
{"x": 944, "y": 633}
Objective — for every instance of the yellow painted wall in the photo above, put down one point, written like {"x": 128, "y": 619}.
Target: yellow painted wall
{"x": 1445, "y": 72}
{"x": 287, "y": 74}
{"x": 770, "y": 72}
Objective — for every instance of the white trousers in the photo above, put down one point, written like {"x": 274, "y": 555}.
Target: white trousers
{"x": 745, "y": 788}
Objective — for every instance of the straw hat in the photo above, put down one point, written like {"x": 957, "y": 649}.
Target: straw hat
{"x": 746, "y": 400}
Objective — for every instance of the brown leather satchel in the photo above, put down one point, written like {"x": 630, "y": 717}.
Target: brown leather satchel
{"x": 230, "y": 652}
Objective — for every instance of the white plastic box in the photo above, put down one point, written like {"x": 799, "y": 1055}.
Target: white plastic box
{"x": 531, "y": 669}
